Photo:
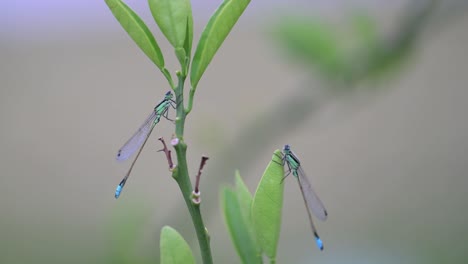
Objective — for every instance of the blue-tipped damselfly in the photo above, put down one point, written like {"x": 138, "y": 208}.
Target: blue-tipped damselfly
{"x": 138, "y": 140}
{"x": 311, "y": 200}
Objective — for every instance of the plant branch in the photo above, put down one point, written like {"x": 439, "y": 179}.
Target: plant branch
{"x": 181, "y": 175}
{"x": 202, "y": 164}
{"x": 167, "y": 152}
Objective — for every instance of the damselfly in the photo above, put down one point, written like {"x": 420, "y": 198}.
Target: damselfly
{"x": 138, "y": 140}
{"x": 311, "y": 199}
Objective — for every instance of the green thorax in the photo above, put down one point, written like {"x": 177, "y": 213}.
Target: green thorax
{"x": 292, "y": 161}
{"x": 162, "y": 107}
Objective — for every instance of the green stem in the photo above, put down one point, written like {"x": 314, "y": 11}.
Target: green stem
{"x": 180, "y": 118}
{"x": 181, "y": 175}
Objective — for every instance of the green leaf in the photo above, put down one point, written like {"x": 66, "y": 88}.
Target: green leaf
{"x": 364, "y": 29}
{"x": 137, "y": 30}
{"x": 244, "y": 196}
{"x": 215, "y": 32}
{"x": 188, "y": 44}
{"x": 171, "y": 17}
{"x": 174, "y": 249}
{"x": 267, "y": 205}
{"x": 189, "y": 35}
{"x": 240, "y": 227}
{"x": 245, "y": 201}
{"x": 182, "y": 57}
{"x": 313, "y": 43}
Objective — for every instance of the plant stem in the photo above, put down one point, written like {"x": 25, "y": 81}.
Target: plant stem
{"x": 181, "y": 175}
{"x": 180, "y": 118}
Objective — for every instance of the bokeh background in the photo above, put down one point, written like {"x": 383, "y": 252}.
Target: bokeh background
{"x": 387, "y": 152}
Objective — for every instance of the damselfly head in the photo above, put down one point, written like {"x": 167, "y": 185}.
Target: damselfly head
{"x": 287, "y": 147}
{"x": 169, "y": 95}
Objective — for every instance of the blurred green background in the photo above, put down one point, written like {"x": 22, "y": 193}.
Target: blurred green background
{"x": 387, "y": 153}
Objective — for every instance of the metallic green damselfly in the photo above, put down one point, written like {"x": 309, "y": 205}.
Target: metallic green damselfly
{"x": 138, "y": 140}
{"x": 311, "y": 199}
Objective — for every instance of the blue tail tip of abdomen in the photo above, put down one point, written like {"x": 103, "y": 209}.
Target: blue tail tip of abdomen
{"x": 118, "y": 190}
{"x": 319, "y": 243}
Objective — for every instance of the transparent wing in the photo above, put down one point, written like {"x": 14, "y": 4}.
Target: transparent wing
{"x": 304, "y": 192}
{"x": 311, "y": 199}
{"x": 119, "y": 188}
{"x": 137, "y": 139}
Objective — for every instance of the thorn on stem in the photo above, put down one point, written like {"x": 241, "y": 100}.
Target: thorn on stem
{"x": 168, "y": 154}
{"x": 197, "y": 181}
{"x": 196, "y": 192}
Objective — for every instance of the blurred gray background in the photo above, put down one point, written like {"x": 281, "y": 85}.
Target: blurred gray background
{"x": 390, "y": 166}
